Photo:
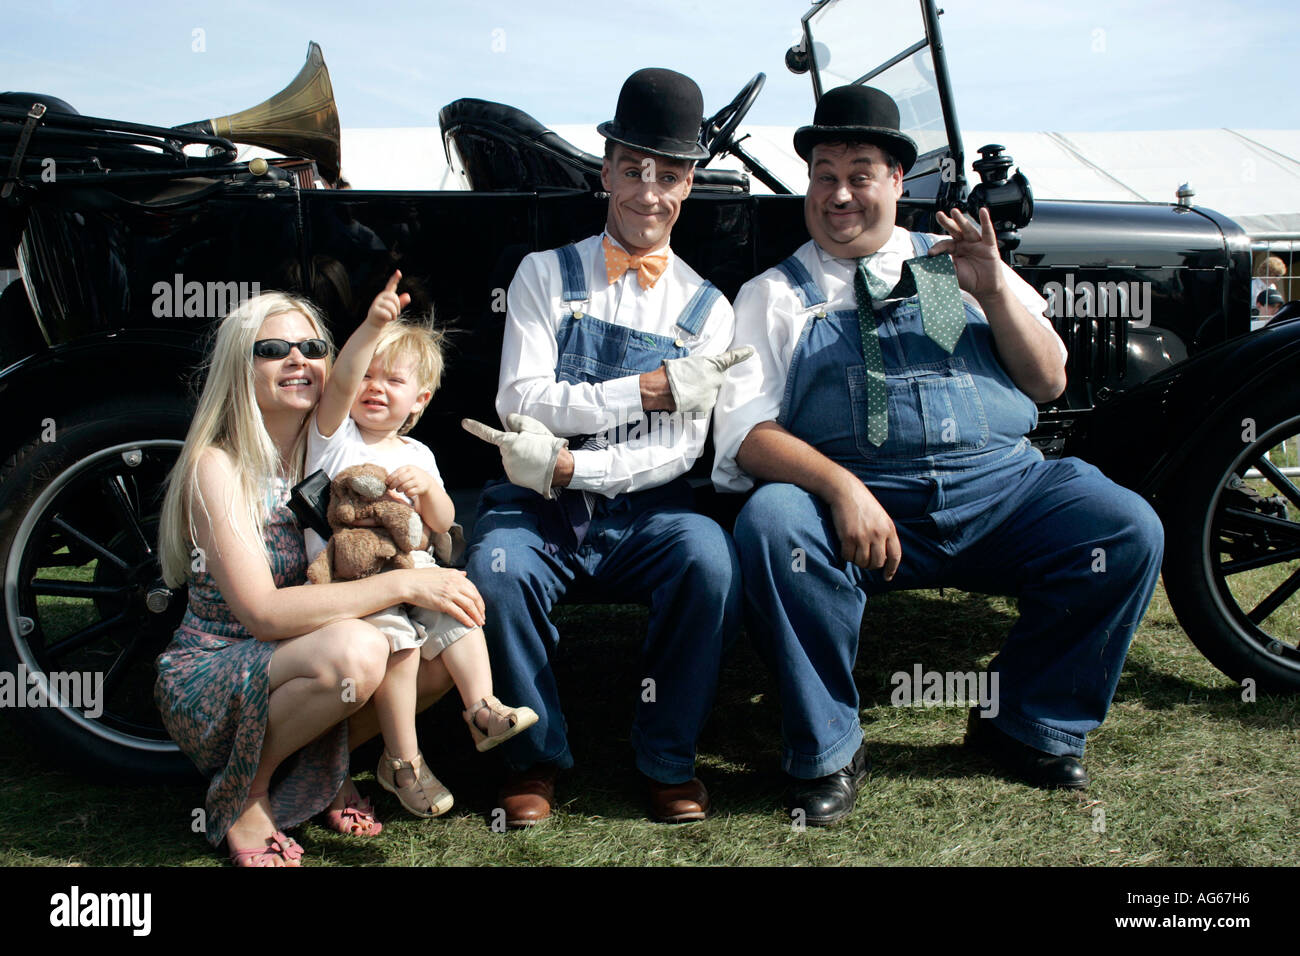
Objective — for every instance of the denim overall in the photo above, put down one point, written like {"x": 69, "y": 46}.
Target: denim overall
{"x": 594, "y": 351}
{"x": 975, "y": 506}
{"x": 645, "y": 547}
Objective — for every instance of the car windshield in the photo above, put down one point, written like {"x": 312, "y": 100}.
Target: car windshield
{"x": 880, "y": 43}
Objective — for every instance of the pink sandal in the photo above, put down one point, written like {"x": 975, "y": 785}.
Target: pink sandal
{"x": 357, "y": 818}
{"x": 280, "y": 845}
{"x": 277, "y": 845}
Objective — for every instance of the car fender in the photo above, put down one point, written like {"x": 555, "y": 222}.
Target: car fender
{"x": 1141, "y": 437}
{"x": 74, "y": 375}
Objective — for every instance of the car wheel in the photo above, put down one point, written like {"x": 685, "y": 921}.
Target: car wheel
{"x": 86, "y": 612}
{"x": 1232, "y": 553}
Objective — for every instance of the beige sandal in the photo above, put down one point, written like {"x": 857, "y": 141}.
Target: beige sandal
{"x": 423, "y": 789}
{"x": 502, "y": 722}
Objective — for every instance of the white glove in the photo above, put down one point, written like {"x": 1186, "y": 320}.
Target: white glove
{"x": 526, "y": 423}
{"x": 528, "y": 451}
{"x": 695, "y": 380}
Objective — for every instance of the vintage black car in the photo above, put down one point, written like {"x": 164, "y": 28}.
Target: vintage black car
{"x": 131, "y": 239}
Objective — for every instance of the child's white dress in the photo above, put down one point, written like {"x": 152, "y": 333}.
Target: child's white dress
{"x": 404, "y": 624}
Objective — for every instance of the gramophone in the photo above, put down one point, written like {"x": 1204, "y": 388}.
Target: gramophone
{"x": 300, "y": 120}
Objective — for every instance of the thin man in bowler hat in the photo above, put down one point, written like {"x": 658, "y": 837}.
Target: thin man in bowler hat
{"x": 611, "y": 362}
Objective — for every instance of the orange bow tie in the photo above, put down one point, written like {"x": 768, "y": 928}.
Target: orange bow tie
{"x": 648, "y": 268}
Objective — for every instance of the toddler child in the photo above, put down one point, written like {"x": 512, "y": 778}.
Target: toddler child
{"x": 383, "y": 380}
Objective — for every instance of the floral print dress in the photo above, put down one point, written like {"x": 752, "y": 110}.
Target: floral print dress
{"x": 213, "y": 690}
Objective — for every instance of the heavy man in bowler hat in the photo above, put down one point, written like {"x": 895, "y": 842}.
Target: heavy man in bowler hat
{"x": 611, "y": 362}
{"x": 885, "y": 420}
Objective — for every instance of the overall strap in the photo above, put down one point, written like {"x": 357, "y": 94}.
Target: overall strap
{"x": 572, "y": 275}
{"x": 921, "y": 243}
{"x": 802, "y": 281}
{"x": 697, "y": 310}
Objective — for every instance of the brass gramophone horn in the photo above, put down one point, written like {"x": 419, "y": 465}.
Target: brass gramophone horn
{"x": 300, "y": 120}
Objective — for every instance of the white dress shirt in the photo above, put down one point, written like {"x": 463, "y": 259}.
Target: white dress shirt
{"x": 770, "y": 317}
{"x": 348, "y": 447}
{"x": 530, "y": 352}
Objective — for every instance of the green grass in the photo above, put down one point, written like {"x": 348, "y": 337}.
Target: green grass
{"x": 61, "y": 617}
{"x": 1184, "y": 771}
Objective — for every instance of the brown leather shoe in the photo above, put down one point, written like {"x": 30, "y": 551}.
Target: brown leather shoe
{"x": 678, "y": 802}
{"x": 527, "y": 797}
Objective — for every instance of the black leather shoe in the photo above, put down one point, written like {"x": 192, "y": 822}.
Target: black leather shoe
{"x": 1049, "y": 771}
{"x": 829, "y": 799}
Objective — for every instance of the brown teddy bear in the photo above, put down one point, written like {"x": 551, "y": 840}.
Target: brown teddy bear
{"x": 372, "y": 532}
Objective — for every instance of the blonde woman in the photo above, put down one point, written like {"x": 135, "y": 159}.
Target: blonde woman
{"x": 266, "y": 674}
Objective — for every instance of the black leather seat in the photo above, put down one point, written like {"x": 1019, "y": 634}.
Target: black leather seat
{"x": 1288, "y": 311}
{"x": 79, "y": 144}
{"x": 504, "y": 149}
{"x": 25, "y": 100}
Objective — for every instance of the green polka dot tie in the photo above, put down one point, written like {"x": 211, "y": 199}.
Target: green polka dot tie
{"x": 865, "y": 285}
{"x": 933, "y": 280}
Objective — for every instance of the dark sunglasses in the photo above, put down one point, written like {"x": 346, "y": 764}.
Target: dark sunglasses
{"x": 279, "y": 348}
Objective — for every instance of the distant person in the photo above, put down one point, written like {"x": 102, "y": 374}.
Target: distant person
{"x": 1267, "y": 274}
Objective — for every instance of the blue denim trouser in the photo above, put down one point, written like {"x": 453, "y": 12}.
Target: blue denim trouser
{"x": 1081, "y": 553}
{"x": 647, "y": 547}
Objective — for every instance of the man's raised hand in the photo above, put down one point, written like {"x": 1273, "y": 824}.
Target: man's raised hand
{"x": 388, "y": 305}
{"x": 528, "y": 451}
{"x": 974, "y": 251}
{"x": 695, "y": 380}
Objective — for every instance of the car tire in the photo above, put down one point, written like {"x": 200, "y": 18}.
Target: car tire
{"x": 1230, "y": 552}
{"x": 79, "y": 506}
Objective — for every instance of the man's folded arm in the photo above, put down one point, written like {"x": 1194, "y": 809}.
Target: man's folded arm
{"x": 656, "y": 451}
{"x": 662, "y": 446}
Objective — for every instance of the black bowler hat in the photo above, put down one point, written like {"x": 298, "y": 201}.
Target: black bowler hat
{"x": 856, "y": 114}
{"x": 659, "y": 112}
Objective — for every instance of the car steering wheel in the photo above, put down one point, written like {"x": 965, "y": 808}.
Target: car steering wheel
{"x": 721, "y": 126}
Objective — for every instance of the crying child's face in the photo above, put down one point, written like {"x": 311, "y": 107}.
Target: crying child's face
{"x": 388, "y": 396}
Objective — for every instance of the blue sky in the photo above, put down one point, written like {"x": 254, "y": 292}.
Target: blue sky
{"x": 1016, "y": 64}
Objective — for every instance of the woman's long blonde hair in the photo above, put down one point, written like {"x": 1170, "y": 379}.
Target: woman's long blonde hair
{"x": 227, "y": 417}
